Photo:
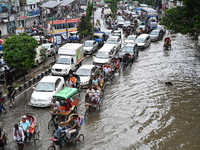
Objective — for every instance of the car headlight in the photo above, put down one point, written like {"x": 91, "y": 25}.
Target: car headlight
{"x": 33, "y": 99}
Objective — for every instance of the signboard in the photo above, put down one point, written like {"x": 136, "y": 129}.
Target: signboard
{"x": 3, "y": 15}
{"x": 29, "y": 2}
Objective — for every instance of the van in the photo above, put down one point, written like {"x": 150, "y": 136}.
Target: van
{"x": 143, "y": 41}
{"x": 40, "y": 55}
{"x": 104, "y": 55}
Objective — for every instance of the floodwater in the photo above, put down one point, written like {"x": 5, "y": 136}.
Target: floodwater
{"x": 140, "y": 112}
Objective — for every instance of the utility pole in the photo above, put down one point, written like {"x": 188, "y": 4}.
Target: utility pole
{"x": 9, "y": 13}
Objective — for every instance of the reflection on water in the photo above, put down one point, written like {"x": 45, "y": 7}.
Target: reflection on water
{"x": 140, "y": 111}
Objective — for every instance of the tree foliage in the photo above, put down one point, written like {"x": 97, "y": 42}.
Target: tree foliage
{"x": 19, "y": 51}
{"x": 183, "y": 19}
{"x": 85, "y": 25}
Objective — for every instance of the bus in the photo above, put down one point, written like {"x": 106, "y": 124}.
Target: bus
{"x": 59, "y": 26}
{"x": 147, "y": 13}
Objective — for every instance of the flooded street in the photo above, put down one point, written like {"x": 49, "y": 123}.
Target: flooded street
{"x": 140, "y": 112}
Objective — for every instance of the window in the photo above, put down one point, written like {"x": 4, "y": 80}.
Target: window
{"x": 57, "y": 82}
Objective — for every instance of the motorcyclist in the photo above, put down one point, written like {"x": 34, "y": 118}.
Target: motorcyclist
{"x": 167, "y": 41}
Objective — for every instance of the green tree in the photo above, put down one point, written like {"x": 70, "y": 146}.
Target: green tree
{"x": 183, "y": 19}
{"x": 85, "y": 25}
{"x": 19, "y": 51}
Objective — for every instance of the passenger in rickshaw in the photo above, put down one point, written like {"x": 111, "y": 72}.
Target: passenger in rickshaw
{"x": 25, "y": 125}
{"x": 57, "y": 135}
{"x": 95, "y": 81}
{"x": 126, "y": 59}
{"x": 106, "y": 70}
{"x": 89, "y": 93}
{"x": 115, "y": 61}
{"x": 167, "y": 41}
{"x": 101, "y": 81}
{"x": 72, "y": 127}
{"x": 96, "y": 96}
{"x": 73, "y": 80}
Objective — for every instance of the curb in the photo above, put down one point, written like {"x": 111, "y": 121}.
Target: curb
{"x": 30, "y": 82}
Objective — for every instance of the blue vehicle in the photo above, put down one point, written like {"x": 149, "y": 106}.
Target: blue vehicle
{"x": 73, "y": 37}
{"x": 100, "y": 37}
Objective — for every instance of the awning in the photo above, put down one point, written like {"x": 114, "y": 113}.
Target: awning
{"x": 51, "y": 4}
{"x": 66, "y": 2}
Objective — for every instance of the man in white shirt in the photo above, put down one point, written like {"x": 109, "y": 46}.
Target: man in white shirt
{"x": 18, "y": 134}
{"x": 55, "y": 104}
{"x": 96, "y": 95}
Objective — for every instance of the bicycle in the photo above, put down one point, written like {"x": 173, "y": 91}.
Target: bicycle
{"x": 54, "y": 119}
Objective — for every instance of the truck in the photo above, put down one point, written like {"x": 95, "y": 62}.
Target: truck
{"x": 100, "y": 37}
{"x": 70, "y": 57}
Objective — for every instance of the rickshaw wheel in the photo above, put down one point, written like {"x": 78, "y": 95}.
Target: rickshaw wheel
{"x": 36, "y": 137}
{"x": 75, "y": 110}
{"x": 80, "y": 138}
{"x": 51, "y": 124}
{"x": 52, "y": 147}
{"x": 100, "y": 104}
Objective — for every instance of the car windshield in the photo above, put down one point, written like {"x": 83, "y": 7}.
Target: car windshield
{"x": 131, "y": 38}
{"x": 88, "y": 44}
{"x": 127, "y": 49}
{"x": 140, "y": 40}
{"x": 83, "y": 72}
{"x": 63, "y": 61}
{"x": 127, "y": 23}
{"x": 102, "y": 54}
{"x": 121, "y": 20}
{"x": 97, "y": 37}
{"x": 111, "y": 41}
{"x": 46, "y": 46}
{"x": 45, "y": 87}
{"x": 154, "y": 33}
{"x": 107, "y": 32}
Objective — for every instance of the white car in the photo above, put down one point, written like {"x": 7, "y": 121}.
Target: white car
{"x": 45, "y": 89}
{"x": 130, "y": 39}
{"x": 37, "y": 37}
{"x": 90, "y": 46}
{"x": 50, "y": 49}
{"x": 108, "y": 32}
{"x": 114, "y": 40}
{"x": 86, "y": 73}
{"x": 120, "y": 22}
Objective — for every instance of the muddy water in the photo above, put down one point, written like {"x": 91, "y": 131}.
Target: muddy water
{"x": 140, "y": 112}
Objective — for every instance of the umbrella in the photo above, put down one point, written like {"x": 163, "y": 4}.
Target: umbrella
{"x": 1, "y": 41}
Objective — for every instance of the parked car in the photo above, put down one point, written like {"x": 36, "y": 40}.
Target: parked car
{"x": 50, "y": 49}
{"x": 14, "y": 73}
{"x": 130, "y": 39}
{"x": 45, "y": 89}
{"x": 86, "y": 74}
{"x": 143, "y": 41}
{"x": 114, "y": 40}
{"x": 130, "y": 48}
{"x": 90, "y": 46}
{"x": 156, "y": 35}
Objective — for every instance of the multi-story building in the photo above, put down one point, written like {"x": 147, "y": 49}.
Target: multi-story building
{"x": 16, "y": 15}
